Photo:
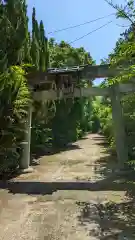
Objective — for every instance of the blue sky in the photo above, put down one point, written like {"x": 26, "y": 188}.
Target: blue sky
{"x": 60, "y": 14}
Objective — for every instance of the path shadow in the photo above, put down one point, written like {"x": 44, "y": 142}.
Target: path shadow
{"x": 99, "y": 137}
{"x": 43, "y": 151}
{"x": 35, "y": 159}
{"x": 43, "y": 188}
{"x": 108, "y": 165}
{"x": 114, "y": 220}
{"x": 110, "y": 221}
{"x": 101, "y": 140}
{"x": 9, "y": 175}
{"x": 83, "y": 138}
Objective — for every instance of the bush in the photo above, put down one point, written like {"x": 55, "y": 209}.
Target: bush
{"x": 14, "y": 99}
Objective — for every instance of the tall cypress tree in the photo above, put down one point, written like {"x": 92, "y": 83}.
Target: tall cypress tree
{"x": 42, "y": 47}
{"x": 35, "y": 27}
{"x": 16, "y": 44}
{"x": 47, "y": 54}
{"x": 27, "y": 42}
{"x": 4, "y": 35}
{"x": 35, "y": 47}
{"x": 16, "y": 15}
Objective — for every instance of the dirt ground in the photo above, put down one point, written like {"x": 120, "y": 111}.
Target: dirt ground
{"x": 71, "y": 195}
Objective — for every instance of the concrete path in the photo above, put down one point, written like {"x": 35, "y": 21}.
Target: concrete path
{"x": 72, "y": 195}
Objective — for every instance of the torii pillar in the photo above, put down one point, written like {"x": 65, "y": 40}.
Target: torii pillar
{"x": 24, "y": 166}
{"x": 119, "y": 127}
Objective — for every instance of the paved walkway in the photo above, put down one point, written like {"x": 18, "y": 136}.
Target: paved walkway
{"x": 72, "y": 195}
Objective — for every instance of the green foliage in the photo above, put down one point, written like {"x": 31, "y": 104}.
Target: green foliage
{"x": 123, "y": 56}
{"x": 62, "y": 55}
{"x": 14, "y": 32}
{"x": 66, "y": 120}
{"x": 124, "y": 11}
{"x": 43, "y": 47}
{"x": 72, "y": 118}
{"x": 103, "y": 111}
{"x": 54, "y": 124}
{"x": 14, "y": 99}
{"x": 39, "y": 46}
{"x": 19, "y": 52}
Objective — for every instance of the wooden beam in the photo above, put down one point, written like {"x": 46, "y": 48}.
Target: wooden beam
{"x": 84, "y": 72}
{"x": 84, "y": 92}
{"x": 45, "y": 95}
{"x": 78, "y": 92}
{"x": 100, "y": 71}
{"x": 91, "y": 91}
{"x": 127, "y": 87}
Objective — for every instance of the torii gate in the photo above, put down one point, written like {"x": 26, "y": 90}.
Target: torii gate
{"x": 64, "y": 83}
